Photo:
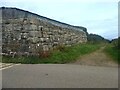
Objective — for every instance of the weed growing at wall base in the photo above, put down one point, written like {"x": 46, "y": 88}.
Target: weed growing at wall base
{"x": 66, "y": 55}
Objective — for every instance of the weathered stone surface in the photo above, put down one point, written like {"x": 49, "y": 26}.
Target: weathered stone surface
{"x": 33, "y": 33}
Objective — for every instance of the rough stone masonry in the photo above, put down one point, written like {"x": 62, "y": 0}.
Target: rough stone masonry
{"x": 25, "y": 32}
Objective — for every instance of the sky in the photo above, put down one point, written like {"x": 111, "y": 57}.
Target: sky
{"x": 98, "y": 16}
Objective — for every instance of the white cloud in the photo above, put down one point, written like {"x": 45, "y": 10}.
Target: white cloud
{"x": 96, "y": 15}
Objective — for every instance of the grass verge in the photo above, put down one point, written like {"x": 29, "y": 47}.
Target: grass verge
{"x": 68, "y": 54}
{"x": 113, "y": 52}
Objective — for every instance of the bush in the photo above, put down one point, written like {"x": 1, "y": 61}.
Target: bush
{"x": 44, "y": 54}
{"x": 61, "y": 48}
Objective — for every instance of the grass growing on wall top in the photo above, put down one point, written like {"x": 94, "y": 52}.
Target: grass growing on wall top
{"x": 59, "y": 56}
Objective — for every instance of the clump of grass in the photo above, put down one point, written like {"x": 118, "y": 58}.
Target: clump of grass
{"x": 59, "y": 56}
{"x": 113, "y": 52}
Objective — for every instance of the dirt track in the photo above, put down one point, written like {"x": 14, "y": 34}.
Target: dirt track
{"x": 97, "y": 58}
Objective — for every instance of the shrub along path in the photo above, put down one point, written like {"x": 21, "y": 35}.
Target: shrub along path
{"x": 97, "y": 58}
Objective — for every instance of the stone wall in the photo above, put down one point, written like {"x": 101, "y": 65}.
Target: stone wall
{"x": 26, "y": 32}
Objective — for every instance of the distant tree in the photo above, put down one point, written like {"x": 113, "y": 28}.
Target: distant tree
{"x": 119, "y": 43}
{"x": 116, "y": 42}
{"x": 94, "y": 38}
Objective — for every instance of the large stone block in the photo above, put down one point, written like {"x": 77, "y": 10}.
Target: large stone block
{"x": 33, "y": 27}
{"x": 37, "y": 32}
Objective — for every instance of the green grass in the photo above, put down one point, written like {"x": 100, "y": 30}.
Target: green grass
{"x": 66, "y": 55}
{"x": 113, "y": 52}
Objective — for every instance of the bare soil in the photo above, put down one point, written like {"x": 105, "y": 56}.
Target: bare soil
{"x": 97, "y": 58}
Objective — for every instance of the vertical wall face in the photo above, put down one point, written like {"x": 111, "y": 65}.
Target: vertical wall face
{"x": 27, "y": 33}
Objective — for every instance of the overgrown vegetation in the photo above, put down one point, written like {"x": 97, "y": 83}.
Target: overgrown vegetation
{"x": 61, "y": 55}
{"x": 113, "y": 50}
{"x": 94, "y": 38}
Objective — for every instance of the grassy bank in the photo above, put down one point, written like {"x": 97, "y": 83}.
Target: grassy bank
{"x": 59, "y": 56}
{"x": 113, "y": 52}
